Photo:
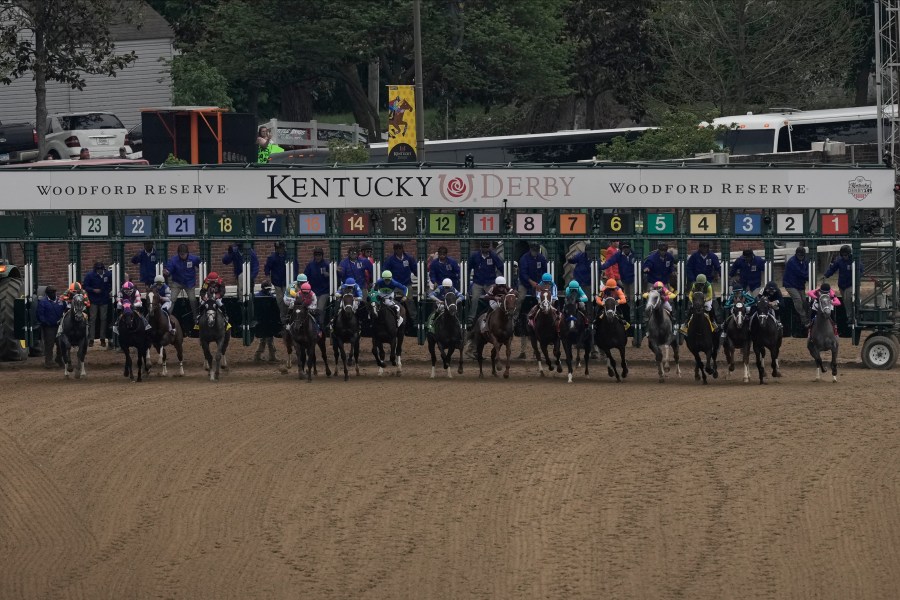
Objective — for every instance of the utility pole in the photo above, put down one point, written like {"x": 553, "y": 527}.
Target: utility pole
{"x": 420, "y": 104}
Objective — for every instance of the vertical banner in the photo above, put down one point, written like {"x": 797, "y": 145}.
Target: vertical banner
{"x": 401, "y": 123}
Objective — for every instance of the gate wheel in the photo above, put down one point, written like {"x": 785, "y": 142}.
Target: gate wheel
{"x": 879, "y": 352}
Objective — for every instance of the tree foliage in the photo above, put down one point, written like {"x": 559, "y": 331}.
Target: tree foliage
{"x": 59, "y": 41}
{"x": 741, "y": 53}
{"x": 196, "y": 83}
{"x": 342, "y": 151}
{"x": 677, "y": 137}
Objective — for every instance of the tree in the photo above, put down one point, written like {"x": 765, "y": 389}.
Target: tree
{"x": 741, "y": 53}
{"x": 196, "y": 83}
{"x": 342, "y": 151}
{"x": 677, "y": 137}
{"x": 59, "y": 41}
{"x": 613, "y": 52}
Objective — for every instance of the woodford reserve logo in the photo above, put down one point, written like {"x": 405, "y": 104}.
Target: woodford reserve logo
{"x": 859, "y": 187}
{"x": 452, "y": 188}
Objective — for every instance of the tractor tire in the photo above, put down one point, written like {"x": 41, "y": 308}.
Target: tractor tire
{"x": 879, "y": 352}
{"x": 10, "y": 291}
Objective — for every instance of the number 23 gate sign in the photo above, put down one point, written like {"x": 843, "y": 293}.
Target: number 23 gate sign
{"x": 562, "y": 187}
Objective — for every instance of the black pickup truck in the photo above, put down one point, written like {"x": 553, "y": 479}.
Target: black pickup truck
{"x": 18, "y": 143}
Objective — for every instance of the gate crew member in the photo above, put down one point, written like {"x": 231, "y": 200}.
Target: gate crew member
{"x": 660, "y": 266}
{"x": 356, "y": 267}
{"x": 317, "y": 274}
{"x": 624, "y": 259}
{"x": 484, "y": 267}
{"x": 276, "y": 270}
{"x": 582, "y": 262}
{"x": 796, "y": 274}
{"x": 402, "y": 266}
{"x": 182, "y": 273}
{"x": 843, "y": 266}
{"x": 749, "y": 271}
{"x": 50, "y": 310}
{"x": 98, "y": 284}
{"x": 532, "y": 267}
{"x": 443, "y": 267}
{"x": 235, "y": 257}
{"x": 703, "y": 262}
{"x": 147, "y": 259}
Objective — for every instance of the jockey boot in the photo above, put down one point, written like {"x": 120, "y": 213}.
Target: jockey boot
{"x": 684, "y": 328}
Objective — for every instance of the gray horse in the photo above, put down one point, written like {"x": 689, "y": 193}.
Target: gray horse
{"x": 214, "y": 329}
{"x": 660, "y": 333}
{"x": 822, "y": 337}
{"x": 737, "y": 336}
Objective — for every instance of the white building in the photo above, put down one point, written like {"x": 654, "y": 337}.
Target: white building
{"x": 145, "y": 83}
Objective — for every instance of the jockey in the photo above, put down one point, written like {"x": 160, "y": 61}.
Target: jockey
{"x": 737, "y": 295}
{"x": 772, "y": 295}
{"x": 307, "y": 297}
{"x": 813, "y": 295}
{"x": 494, "y": 295}
{"x": 73, "y": 290}
{"x": 129, "y": 295}
{"x": 165, "y": 298}
{"x": 349, "y": 287}
{"x": 702, "y": 285}
{"x": 575, "y": 288}
{"x": 612, "y": 290}
{"x": 664, "y": 293}
{"x": 214, "y": 287}
{"x": 383, "y": 291}
{"x": 546, "y": 285}
{"x": 290, "y": 293}
{"x": 438, "y": 296}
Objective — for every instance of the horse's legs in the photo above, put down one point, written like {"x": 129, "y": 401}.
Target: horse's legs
{"x": 127, "y": 372}
{"x": 658, "y": 356}
{"x": 834, "y": 355}
{"x": 537, "y": 353}
{"x": 494, "y": 360}
{"x": 461, "y": 345}
{"x": 622, "y": 360}
{"x": 760, "y": 351}
{"x": 729, "y": 350}
{"x": 698, "y": 367}
{"x": 508, "y": 352}
{"x": 745, "y": 358}
{"x": 354, "y": 347}
{"x": 556, "y": 355}
{"x": 141, "y": 362}
{"x": 817, "y": 359}
{"x": 567, "y": 349}
{"x": 431, "y": 345}
{"x": 80, "y": 354}
{"x": 675, "y": 357}
{"x": 325, "y": 357}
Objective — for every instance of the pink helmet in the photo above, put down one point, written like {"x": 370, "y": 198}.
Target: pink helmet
{"x": 128, "y": 286}
{"x": 305, "y": 288}
{"x": 659, "y": 285}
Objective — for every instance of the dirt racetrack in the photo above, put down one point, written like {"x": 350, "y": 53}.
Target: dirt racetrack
{"x": 266, "y": 487}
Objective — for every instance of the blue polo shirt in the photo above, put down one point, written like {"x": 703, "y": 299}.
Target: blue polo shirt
{"x": 582, "y": 271}
{"x": 275, "y": 269}
{"x": 531, "y": 268}
{"x": 796, "y": 273}
{"x": 401, "y": 268}
{"x": 355, "y": 268}
{"x": 183, "y": 272}
{"x": 317, "y": 274}
{"x": 625, "y": 264}
{"x": 236, "y": 259}
{"x": 660, "y": 267}
{"x": 438, "y": 271}
{"x": 485, "y": 269}
{"x": 750, "y": 272}
{"x": 101, "y": 281}
{"x": 844, "y": 268}
{"x": 147, "y": 261}
{"x": 698, "y": 264}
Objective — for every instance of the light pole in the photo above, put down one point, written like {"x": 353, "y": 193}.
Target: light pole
{"x": 420, "y": 104}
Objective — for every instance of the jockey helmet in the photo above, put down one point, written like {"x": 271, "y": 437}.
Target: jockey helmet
{"x": 825, "y": 287}
{"x": 266, "y": 287}
{"x": 573, "y": 285}
{"x": 386, "y": 274}
{"x": 611, "y": 282}
{"x": 447, "y": 283}
{"x": 349, "y": 281}
{"x": 501, "y": 280}
{"x": 213, "y": 276}
{"x": 771, "y": 286}
{"x": 845, "y": 249}
{"x": 305, "y": 288}
{"x": 301, "y": 278}
{"x": 128, "y": 287}
{"x": 75, "y": 288}
{"x": 701, "y": 278}
{"x": 546, "y": 277}
{"x": 159, "y": 279}
{"x": 658, "y": 285}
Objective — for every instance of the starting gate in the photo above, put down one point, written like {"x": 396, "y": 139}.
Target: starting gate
{"x": 771, "y": 210}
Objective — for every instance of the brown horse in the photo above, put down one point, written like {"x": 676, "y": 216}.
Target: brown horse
{"x": 396, "y": 123}
{"x": 161, "y": 336}
{"x": 498, "y": 331}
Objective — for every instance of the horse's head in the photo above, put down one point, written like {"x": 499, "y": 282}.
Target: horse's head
{"x": 450, "y": 303}
{"x": 509, "y": 302}
{"x": 348, "y": 303}
{"x": 152, "y": 301}
{"x": 544, "y": 301}
{"x": 78, "y": 307}
{"x": 737, "y": 311}
{"x": 653, "y": 300}
{"x": 698, "y": 299}
{"x": 610, "y": 306}
{"x": 826, "y": 305}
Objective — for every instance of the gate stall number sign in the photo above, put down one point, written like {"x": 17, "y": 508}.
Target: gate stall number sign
{"x": 441, "y": 224}
{"x": 703, "y": 224}
{"x": 617, "y": 224}
{"x": 311, "y": 224}
{"x": 789, "y": 224}
{"x": 486, "y": 224}
{"x": 572, "y": 224}
{"x": 660, "y": 223}
{"x": 529, "y": 223}
{"x": 269, "y": 224}
{"x": 138, "y": 226}
{"x": 355, "y": 224}
{"x": 94, "y": 225}
{"x": 835, "y": 224}
{"x": 400, "y": 223}
{"x": 224, "y": 225}
{"x": 747, "y": 224}
{"x": 181, "y": 225}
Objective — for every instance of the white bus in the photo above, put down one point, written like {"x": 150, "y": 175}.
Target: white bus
{"x": 790, "y": 130}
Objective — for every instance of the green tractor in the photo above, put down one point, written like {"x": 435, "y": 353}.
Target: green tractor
{"x": 11, "y": 286}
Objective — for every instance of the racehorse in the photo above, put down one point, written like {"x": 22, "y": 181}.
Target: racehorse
{"x": 765, "y": 334}
{"x": 701, "y": 340}
{"x": 386, "y": 331}
{"x": 396, "y": 123}
{"x": 346, "y": 330}
{"x": 544, "y": 332}
{"x": 660, "y": 333}
{"x": 498, "y": 331}
{"x": 446, "y": 334}
{"x": 74, "y": 335}
{"x": 161, "y": 336}
{"x": 213, "y": 329}
{"x": 575, "y": 331}
{"x": 133, "y": 334}
{"x": 737, "y": 335}
{"x": 609, "y": 333}
{"x": 305, "y": 338}
{"x": 822, "y": 337}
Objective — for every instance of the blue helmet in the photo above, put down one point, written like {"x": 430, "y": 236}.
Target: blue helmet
{"x": 349, "y": 281}
{"x": 547, "y": 277}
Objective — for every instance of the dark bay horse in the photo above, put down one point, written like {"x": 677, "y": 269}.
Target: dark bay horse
{"x": 544, "y": 332}
{"x": 346, "y": 330}
{"x": 609, "y": 333}
{"x": 74, "y": 334}
{"x": 498, "y": 331}
{"x": 737, "y": 335}
{"x": 447, "y": 335}
{"x": 133, "y": 334}
{"x": 386, "y": 331}
{"x": 213, "y": 330}
{"x": 161, "y": 336}
{"x": 661, "y": 334}
{"x": 822, "y": 337}
{"x": 765, "y": 335}
{"x": 305, "y": 338}
{"x": 700, "y": 339}
{"x": 575, "y": 332}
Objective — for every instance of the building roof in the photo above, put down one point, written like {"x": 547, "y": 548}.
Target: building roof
{"x": 149, "y": 24}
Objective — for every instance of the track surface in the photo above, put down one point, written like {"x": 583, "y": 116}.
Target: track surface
{"x": 265, "y": 487}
